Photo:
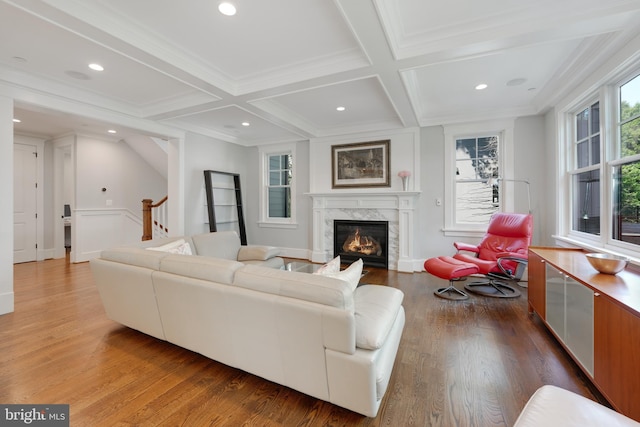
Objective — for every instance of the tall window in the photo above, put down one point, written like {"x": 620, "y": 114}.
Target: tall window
{"x": 476, "y": 189}
{"x": 585, "y": 183}
{"x": 604, "y": 171}
{"x": 626, "y": 171}
{"x": 477, "y": 154}
{"x": 277, "y": 178}
{"x": 279, "y": 187}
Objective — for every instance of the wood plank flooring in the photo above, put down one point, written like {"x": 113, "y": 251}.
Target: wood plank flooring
{"x": 468, "y": 363}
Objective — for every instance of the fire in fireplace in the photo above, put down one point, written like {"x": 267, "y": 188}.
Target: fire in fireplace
{"x": 362, "y": 239}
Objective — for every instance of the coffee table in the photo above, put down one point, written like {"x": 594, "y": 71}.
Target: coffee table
{"x": 301, "y": 266}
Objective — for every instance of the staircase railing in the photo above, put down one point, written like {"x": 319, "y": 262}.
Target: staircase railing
{"x": 154, "y": 219}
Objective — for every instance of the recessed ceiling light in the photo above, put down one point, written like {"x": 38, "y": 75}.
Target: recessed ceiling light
{"x": 341, "y": 108}
{"x": 481, "y": 86}
{"x": 96, "y": 67}
{"x": 246, "y": 124}
{"x": 227, "y": 8}
{"x": 111, "y": 131}
{"x": 17, "y": 121}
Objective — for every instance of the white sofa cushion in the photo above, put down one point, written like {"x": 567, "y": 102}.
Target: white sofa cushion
{"x": 351, "y": 274}
{"x": 257, "y": 252}
{"x": 199, "y": 267}
{"x": 376, "y": 308}
{"x": 134, "y": 256}
{"x": 309, "y": 287}
{"x": 220, "y": 244}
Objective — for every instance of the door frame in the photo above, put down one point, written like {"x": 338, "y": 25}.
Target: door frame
{"x": 61, "y": 147}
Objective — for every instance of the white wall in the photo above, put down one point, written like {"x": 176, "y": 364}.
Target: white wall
{"x": 115, "y": 166}
{"x": 548, "y": 207}
{"x": 431, "y": 241}
{"x": 103, "y": 219}
{"x": 295, "y": 242}
{"x": 204, "y": 153}
{"x": 6, "y": 208}
{"x": 403, "y": 156}
{"x": 530, "y": 163}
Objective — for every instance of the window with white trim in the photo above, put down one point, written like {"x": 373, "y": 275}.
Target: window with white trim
{"x": 603, "y": 171}
{"x": 277, "y": 180}
{"x": 476, "y": 157}
{"x": 626, "y": 168}
{"x": 476, "y": 189}
{"x": 585, "y": 170}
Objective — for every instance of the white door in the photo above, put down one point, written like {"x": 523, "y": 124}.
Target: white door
{"x": 24, "y": 202}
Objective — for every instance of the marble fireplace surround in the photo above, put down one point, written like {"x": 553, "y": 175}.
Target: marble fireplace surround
{"x": 395, "y": 207}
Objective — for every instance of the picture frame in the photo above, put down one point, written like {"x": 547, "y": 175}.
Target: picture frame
{"x": 360, "y": 165}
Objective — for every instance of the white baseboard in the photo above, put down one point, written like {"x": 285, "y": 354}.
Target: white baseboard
{"x": 45, "y": 254}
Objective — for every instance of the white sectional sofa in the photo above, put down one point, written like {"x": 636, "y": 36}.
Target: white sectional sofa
{"x": 320, "y": 335}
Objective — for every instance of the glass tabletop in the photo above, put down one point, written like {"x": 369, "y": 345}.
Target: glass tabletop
{"x": 301, "y": 266}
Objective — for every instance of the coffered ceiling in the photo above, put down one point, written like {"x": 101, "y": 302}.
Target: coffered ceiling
{"x": 284, "y": 66}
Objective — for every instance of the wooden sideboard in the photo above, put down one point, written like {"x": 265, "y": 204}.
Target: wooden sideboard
{"x": 596, "y": 318}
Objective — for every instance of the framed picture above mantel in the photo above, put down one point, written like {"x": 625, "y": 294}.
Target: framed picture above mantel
{"x": 360, "y": 165}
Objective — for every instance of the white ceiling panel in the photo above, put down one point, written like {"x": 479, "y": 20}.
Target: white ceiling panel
{"x": 365, "y": 103}
{"x": 264, "y": 40}
{"x": 514, "y": 77}
{"x": 230, "y": 120}
{"x": 56, "y": 54}
{"x": 285, "y": 65}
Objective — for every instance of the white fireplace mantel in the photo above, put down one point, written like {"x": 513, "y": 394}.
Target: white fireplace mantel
{"x": 396, "y": 207}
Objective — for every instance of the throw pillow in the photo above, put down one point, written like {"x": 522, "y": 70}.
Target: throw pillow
{"x": 179, "y": 246}
{"x": 351, "y": 274}
{"x": 332, "y": 266}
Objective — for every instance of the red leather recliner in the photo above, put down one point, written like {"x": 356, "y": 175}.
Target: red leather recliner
{"x": 501, "y": 255}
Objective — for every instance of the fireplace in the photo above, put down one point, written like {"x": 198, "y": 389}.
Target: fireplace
{"x": 362, "y": 239}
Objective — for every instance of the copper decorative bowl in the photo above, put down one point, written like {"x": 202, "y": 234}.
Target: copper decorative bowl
{"x": 607, "y": 264}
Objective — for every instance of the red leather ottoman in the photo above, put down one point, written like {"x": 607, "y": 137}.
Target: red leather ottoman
{"x": 448, "y": 268}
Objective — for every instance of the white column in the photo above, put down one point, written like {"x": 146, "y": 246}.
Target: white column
{"x": 6, "y": 208}
{"x": 405, "y": 233}
{"x": 318, "y": 253}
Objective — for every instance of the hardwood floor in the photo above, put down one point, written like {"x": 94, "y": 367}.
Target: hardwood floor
{"x": 468, "y": 363}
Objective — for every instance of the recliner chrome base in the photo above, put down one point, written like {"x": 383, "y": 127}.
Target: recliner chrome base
{"x": 492, "y": 288}
{"x": 451, "y": 292}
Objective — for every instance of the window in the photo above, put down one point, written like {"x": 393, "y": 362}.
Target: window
{"x": 626, "y": 172}
{"x": 477, "y": 155}
{"x": 477, "y": 194}
{"x": 279, "y": 186}
{"x": 277, "y": 177}
{"x": 603, "y": 170}
{"x": 585, "y": 183}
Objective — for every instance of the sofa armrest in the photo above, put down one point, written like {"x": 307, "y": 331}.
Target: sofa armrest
{"x": 257, "y": 253}
{"x": 376, "y": 309}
